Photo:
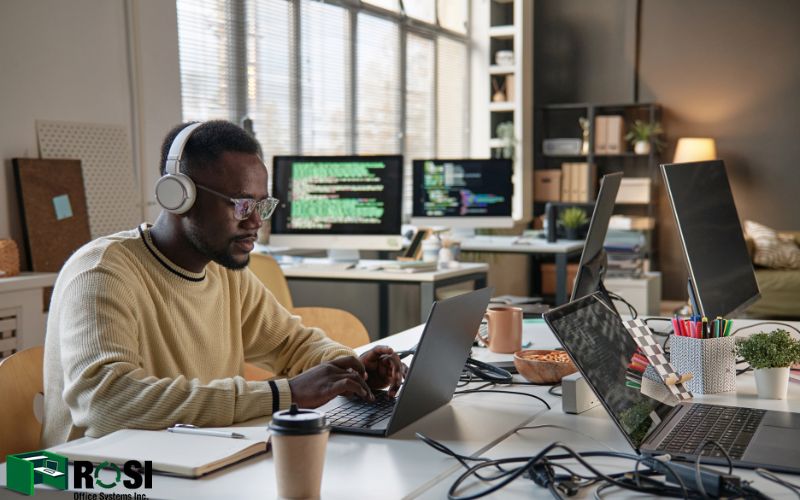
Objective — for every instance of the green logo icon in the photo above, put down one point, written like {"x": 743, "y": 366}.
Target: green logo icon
{"x": 24, "y": 470}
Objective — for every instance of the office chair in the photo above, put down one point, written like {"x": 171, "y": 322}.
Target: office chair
{"x": 269, "y": 272}
{"x": 21, "y": 379}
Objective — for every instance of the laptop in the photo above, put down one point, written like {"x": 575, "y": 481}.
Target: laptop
{"x": 432, "y": 377}
{"x": 597, "y": 341}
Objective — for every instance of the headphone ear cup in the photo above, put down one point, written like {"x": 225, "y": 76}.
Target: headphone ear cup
{"x": 176, "y": 193}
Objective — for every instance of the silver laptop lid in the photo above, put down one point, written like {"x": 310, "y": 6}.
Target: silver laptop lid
{"x": 602, "y": 349}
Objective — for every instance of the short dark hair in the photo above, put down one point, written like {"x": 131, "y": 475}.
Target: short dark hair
{"x": 207, "y": 143}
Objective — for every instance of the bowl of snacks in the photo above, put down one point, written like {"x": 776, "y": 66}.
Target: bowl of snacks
{"x": 543, "y": 366}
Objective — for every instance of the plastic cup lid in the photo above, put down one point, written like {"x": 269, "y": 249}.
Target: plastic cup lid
{"x": 297, "y": 421}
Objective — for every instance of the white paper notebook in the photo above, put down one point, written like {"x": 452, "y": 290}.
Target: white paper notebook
{"x": 182, "y": 454}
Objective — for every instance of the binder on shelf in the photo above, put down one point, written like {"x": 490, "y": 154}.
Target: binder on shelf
{"x": 615, "y": 134}
{"x": 600, "y": 124}
{"x": 587, "y": 179}
{"x": 510, "y": 91}
{"x": 634, "y": 190}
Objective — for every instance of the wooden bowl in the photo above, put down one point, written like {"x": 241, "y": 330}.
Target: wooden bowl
{"x": 543, "y": 371}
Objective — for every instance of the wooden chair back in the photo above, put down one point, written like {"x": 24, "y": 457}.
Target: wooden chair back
{"x": 269, "y": 272}
{"x": 21, "y": 379}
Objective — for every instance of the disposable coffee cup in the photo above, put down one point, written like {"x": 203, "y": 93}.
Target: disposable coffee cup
{"x": 298, "y": 441}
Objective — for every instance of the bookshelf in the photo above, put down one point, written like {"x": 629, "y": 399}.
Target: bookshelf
{"x": 503, "y": 89}
{"x": 640, "y": 193}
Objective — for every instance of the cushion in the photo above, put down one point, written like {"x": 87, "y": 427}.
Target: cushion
{"x": 771, "y": 249}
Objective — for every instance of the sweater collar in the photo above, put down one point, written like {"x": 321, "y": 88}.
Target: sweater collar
{"x": 144, "y": 232}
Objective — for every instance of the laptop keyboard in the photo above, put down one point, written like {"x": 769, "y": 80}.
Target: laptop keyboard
{"x": 360, "y": 413}
{"x": 733, "y": 428}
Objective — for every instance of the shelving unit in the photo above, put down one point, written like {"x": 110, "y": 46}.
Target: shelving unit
{"x": 504, "y": 25}
{"x": 562, "y": 121}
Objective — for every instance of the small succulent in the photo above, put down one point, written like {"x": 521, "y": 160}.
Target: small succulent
{"x": 645, "y": 131}
{"x": 573, "y": 217}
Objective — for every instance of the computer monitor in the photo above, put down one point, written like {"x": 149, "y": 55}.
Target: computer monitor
{"x": 467, "y": 193}
{"x": 721, "y": 277}
{"x": 338, "y": 202}
{"x": 593, "y": 263}
{"x": 51, "y": 464}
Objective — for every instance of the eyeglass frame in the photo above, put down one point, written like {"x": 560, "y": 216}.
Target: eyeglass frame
{"x": 272, "y": 203}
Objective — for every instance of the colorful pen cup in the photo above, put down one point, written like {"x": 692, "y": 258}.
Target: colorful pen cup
{"x": 712, "y": 363}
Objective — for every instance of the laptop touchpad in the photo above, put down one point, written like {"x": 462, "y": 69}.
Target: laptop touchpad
{"x": 771, "y": 443}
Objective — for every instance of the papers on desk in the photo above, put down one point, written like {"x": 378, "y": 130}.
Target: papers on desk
{"x": 189, "y": 455}
{"x": 513, "y": 300}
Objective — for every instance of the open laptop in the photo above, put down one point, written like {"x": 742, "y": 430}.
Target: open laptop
{"x": 597, "y": 341}
{"x": 432, "y": 377}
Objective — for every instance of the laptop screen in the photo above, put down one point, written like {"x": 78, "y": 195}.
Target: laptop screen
{"x": 603, "y": 351}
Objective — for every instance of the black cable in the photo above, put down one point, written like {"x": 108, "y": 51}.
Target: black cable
{"x": 699, "y": 452}
{"x": 655, "y": 332}
{"x": 769, "y": 475}
{"x": 764, "y": 323}
{"x": 631, "y": 309}
{"x": 505, "y": 392}
{"x": 551, "y": 389}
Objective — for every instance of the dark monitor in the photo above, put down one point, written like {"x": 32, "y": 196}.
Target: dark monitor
{"x": 721, "y": 275}
{"x": 338, "y": 202}
{"x": 593, "y": 261}
{"x": 468, "y": 193}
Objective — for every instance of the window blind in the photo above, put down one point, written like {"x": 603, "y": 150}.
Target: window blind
{"x": 420, "y": 107}
{"x": 451, "y": 98}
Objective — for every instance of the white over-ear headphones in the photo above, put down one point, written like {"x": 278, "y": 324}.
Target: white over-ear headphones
{"x": 175, "y": 192}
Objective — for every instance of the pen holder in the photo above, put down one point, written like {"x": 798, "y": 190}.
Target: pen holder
{"x": 712, "y": 363}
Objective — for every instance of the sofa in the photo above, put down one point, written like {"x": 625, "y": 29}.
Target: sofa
{"x": 780, "y": 289}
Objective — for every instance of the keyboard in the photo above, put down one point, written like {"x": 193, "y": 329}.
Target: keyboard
{"x": 733, "y": 428}
{"x": 360, "y": 413}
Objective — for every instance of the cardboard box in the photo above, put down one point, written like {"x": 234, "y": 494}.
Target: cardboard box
{"x": 547, "y": 185}
{"x": 634, "y": 190}
{"x": 548, "y": 270}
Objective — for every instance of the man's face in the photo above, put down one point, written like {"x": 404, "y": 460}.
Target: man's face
{"x": 210, "y": 225}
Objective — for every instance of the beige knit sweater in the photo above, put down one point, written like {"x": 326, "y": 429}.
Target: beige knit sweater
{"x": 134, "y": 341}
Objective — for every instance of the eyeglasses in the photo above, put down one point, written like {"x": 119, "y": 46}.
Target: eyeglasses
{"x": 244, "y": 207}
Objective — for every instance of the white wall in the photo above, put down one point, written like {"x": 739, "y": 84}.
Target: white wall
{"x": 69, "y": 61}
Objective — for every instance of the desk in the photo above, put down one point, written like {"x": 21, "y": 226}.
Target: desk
{"x": 428, "y": 282}
{"x": 562, "y": 250}
{"x": 474, "y": 424}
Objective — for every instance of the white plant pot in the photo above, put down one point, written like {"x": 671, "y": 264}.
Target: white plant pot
{"x": 641, "y": 147}
{"x": 772, "y": 383}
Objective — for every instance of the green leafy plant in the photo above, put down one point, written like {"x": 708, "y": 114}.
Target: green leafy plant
{"x": 645, "y": 131}
{"x": 573, "y": 217}
{"x": 776, "y": 349}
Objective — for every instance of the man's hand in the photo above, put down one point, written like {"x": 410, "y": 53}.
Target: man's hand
{"x": 383, "y": 368}
{"x": 342, "y": 376}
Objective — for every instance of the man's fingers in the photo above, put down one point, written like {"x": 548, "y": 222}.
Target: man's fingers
{"x": 349, "y": 362}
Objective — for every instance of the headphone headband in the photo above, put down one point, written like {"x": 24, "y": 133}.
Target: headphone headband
{"x": 173, "y": 163}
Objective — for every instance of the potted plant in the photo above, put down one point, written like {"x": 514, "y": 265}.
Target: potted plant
{"x": 643, "y": 134}
{"x": 573, "y": 219}
{"x": 770, "y": 355}
{"x": 505, "y": 132}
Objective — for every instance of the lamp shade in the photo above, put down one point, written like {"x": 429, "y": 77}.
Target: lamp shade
{"x": 695, "y": 149}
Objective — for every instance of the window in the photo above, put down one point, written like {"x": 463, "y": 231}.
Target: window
{"x": 334, "y": 77}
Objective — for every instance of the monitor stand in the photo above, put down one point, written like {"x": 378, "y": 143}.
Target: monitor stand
{"x": 343, "y": 255}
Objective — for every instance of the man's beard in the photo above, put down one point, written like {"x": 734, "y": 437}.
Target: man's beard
{"x": 221, "y": 257}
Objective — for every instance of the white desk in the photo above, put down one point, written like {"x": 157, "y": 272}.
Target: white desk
{"x": 428, "y": 282}
{"x": 531, "y": 246}
{"x": 481, "y": 424}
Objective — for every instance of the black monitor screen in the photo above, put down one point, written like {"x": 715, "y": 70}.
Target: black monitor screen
{"x": 456, "y": 188}
{"x": 711, "y": 234}
{"x": 593, "y": 259}
{"x": 337, "y": 194}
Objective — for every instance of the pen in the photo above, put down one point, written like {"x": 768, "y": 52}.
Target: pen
{"x": 185, "y": 429}
{"x": 705, "y": 328}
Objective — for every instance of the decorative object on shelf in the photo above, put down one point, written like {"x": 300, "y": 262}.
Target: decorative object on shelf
{"x": 643, "y": 135}
{"x": 561, "y": 147}
{"x": 695, "y": 149}
{"x": 770, "y": 355}
{"x": 584, "y": 123}
{"x": 505, "y": 132}
{"x": 504, "y": 57}
{"x": 9, "y": 258}
{"x": 573, "y": 218}
{"x": 499, "y": 91}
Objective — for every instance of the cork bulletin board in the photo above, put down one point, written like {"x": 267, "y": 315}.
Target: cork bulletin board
{"x": 53, "y": 208}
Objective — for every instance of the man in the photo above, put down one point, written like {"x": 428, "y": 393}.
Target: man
{"x": 152, "y": 326}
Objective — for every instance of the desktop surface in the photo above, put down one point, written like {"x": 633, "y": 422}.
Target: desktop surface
{"x": 403, "y": 466}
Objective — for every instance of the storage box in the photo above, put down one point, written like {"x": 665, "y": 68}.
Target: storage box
{"x": 547, "y": 185}
{"x": 712, "y": 363}
{"x": 548, "y": 270}
{"x": 643, "y": 293}
{"x": 634, "y": 190}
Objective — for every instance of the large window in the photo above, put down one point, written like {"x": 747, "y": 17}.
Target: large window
{"x": 333, "y": 77}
